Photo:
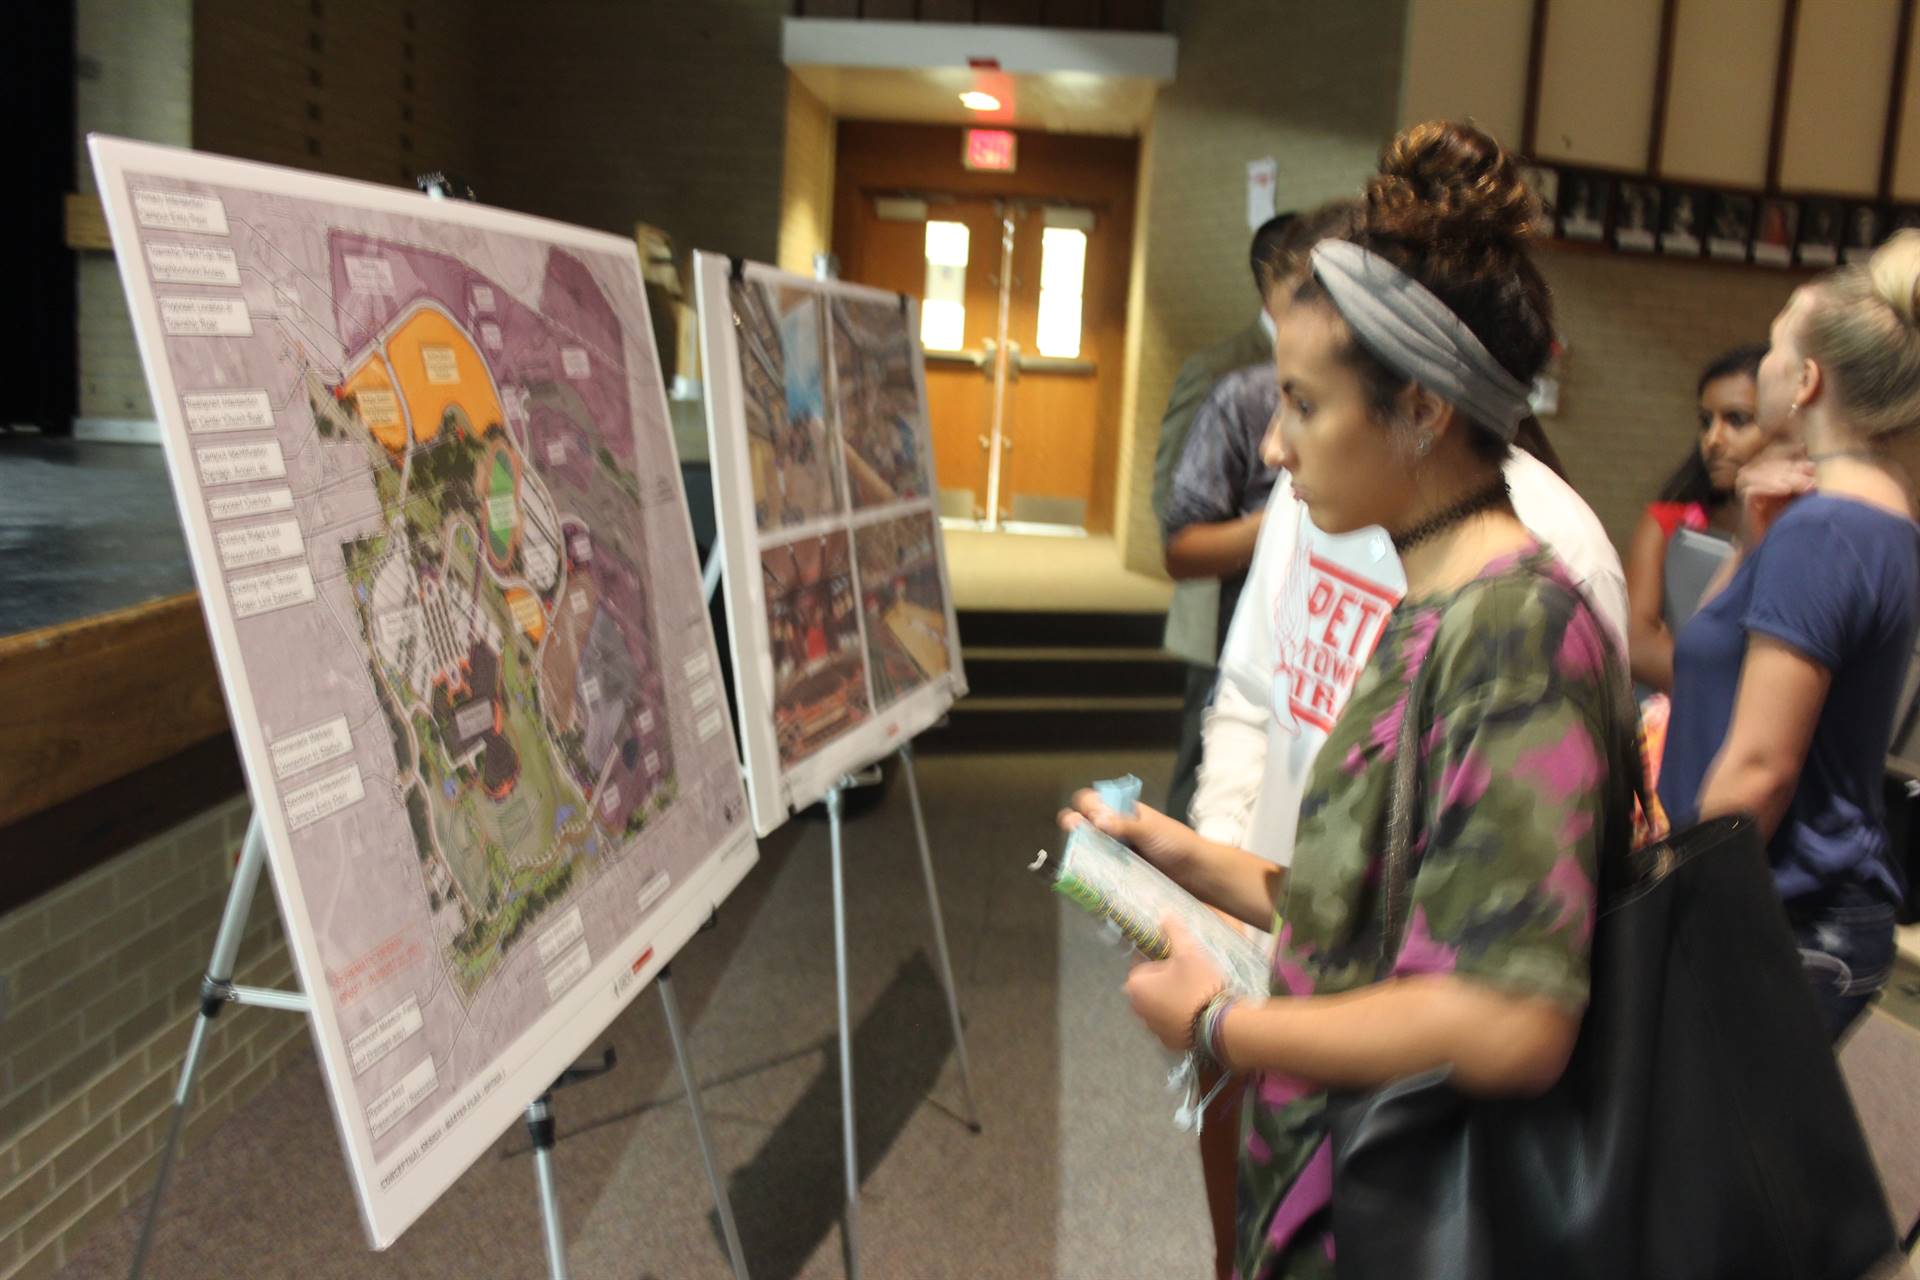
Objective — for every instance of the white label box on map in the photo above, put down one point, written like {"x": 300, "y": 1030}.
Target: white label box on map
{"x": 369, "y": 275}
{"x": 562, "y": 935}
{"x": 703, "y": 693}
{"x": 392, "y": 1106}
{"x": 324, "y": 798}
{"x": 443, "y": 367}
{"x": 709, "y": 724}
{"x": 248, "y": 410}
{"x": 610, "y": 798}
{"x": 573, "y": 967}
{"x": 261, "y": 503}
{"x": 654, "y": 889}
{"x": 179, "y": 211}
{"x": 193, "y": 263}
{"x": 233, "y": 463}
{"x": 260, "y": 544}
{"x": 698, "y": 665}
{"x": 574, "y": 361}
{"x": 194, "y": 317}
{"x": 386, "y": 1035}
{"x": 645, "y": 719}
{"x": 379, "y": 406}
{"x": 317, "y": 744}
{"x": 482, "y": 298}
{"x": 652, "y": 761}
{"x": 556, "y": 452}
{"x": 500, "y": 510}
{"x": 277, "y": 589}
{"x": 490, "y": 334}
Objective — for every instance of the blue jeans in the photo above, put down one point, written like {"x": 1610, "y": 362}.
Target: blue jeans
{"x": 1847, "y": 947}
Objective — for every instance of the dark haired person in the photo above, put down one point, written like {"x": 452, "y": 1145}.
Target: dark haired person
{"x": 1403, "y": 365}
{"x": 1214, "y": 501}
{"x": 1697, "y": 496}
{"x": 1193, "y": 618}
{"x": 1785, "y": 680}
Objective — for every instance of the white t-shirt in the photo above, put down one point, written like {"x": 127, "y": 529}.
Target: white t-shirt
{"x": 1309, "y": 617}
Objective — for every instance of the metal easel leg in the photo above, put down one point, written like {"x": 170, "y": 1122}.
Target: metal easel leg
{"x": 214, "y": 993}
{"x": 941, "y": 957}
{"x": 540, "y": 1130}
{"x": 721, "y": 1202}
{"x": 851, "y": 1224}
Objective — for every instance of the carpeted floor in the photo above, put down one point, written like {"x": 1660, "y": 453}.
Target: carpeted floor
{"x": 1078, "y": 1172}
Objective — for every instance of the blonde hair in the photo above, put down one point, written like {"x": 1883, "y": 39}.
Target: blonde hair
{"x": 1864, "y": 331}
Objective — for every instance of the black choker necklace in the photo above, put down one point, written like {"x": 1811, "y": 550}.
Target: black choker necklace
{"x": 1472, "y": 505}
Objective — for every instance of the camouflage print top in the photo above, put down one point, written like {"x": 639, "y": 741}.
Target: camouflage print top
{"x": 1516, "y": 804}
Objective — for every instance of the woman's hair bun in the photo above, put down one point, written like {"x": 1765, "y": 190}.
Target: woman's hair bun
{"x": 1895, "y": 268}
{"x": 1444, "y": 181}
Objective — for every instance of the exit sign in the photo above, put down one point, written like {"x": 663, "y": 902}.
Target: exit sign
{"x": 991, "y": 149}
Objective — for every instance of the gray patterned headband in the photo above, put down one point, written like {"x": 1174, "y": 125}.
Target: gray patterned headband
{"x": 1417, "y": 336}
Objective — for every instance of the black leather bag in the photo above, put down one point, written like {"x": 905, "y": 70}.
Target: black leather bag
{"x": 1701, "y": 1131}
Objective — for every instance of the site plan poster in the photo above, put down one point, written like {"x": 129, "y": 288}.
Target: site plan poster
{"x": 422, "y": 456}
{"x": 838, "y": 603}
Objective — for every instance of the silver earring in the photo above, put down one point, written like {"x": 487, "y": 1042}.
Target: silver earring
{"x": 1423, "y": 443}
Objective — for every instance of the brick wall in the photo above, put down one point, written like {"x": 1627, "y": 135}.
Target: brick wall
{"x": 133, "y": 71}
{"x": 1638, "y": 330}
{"x": 806, "y": 181}
{"x": 374, "y": 89}
{"x": 671, "y": 112}
{"x": 98, "y": 990}
{"x": 1313, "y": 85}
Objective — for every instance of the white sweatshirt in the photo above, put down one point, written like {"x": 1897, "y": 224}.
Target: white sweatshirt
{"x": 1308, "y": 620}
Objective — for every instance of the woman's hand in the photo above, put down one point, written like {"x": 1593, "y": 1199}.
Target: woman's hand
{"x": 1766, "y": 487}
{"x": 1167, "y": 844}
{"x": 1167, "y": 993}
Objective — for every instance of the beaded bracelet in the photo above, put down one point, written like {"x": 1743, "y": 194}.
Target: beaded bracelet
{"x": 1209, "y": 1022}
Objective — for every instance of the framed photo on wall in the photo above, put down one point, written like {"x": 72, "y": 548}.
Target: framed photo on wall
{"x": 1774, "y": 236}
{"x": 1820, "y": 234}
{"x": 1861, "y": 233}
{"x": 1583, "y": 205}
{"x": 1636, "y": 217}
{"x": 1731, "y": 230}
{"x": 1682, "y": 214}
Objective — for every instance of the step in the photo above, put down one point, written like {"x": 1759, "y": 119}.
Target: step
{"x": 1041, "y": 671}
{"x": 1058, "y": 723}
{"x": 1035, "y": 629}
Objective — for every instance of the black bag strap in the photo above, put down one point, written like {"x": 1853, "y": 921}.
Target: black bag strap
{"x": 1402, "y": 802}
{"x": 1397, "y": 876}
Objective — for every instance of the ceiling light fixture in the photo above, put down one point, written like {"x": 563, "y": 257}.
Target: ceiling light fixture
{"x": 974, "y": 100}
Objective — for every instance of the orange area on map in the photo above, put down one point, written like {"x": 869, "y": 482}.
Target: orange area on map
{"x": 527, "y": 612}
{"x": 432, "y": 365}
{"x": 431, "y": 381}
{"x": 378, "y": 403}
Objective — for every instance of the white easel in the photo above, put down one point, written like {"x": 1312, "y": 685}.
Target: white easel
{"x": 217, "y": 990}
{"x": 834, "y": 801}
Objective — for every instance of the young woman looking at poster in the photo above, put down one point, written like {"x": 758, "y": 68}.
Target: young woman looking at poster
{"x": 1403, "y": 365}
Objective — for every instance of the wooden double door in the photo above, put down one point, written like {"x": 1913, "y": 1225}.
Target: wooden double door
{"x": 1024, "y": 299}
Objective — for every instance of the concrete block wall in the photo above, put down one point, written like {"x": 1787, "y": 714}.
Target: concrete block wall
{"x": 1637, "y": 331}
{"x": 367, "y": 89}
{"x": 671, "y": 113}
{"x": 99, "y": 986}
{"x": 1313, "y": 85}
{"x": 806, "y": 181}
{"x": 133, "y": 75}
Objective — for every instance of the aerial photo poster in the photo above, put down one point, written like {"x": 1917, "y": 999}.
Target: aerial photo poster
{"x": 838, "y": 605}
{"x": 422, "y": 458}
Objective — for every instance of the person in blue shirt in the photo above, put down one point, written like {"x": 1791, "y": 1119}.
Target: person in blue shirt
{"x": 1785, "y": 681}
